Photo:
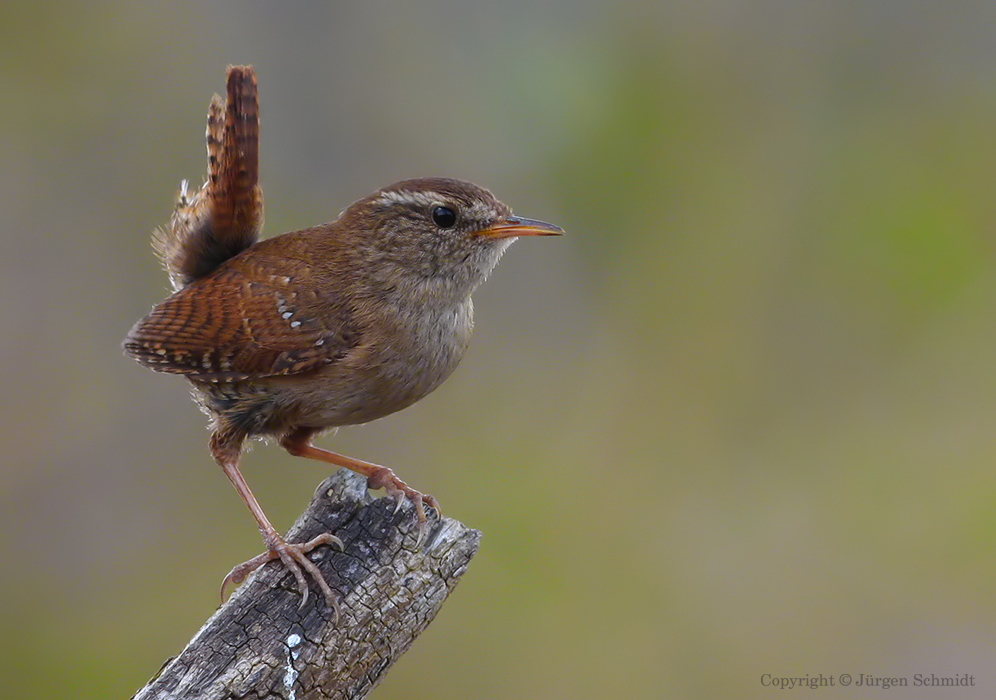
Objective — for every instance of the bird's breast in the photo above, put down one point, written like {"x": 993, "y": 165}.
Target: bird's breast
{"x": 426, "y": 344}
{"x": 404, "y": 355}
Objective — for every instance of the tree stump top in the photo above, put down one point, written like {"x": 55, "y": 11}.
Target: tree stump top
{"x": 260, "y": 644}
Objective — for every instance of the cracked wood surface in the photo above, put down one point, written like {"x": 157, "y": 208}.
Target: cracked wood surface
{"x": 261, "y": 645}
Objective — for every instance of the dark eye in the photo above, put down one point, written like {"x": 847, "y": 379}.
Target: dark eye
{"x": 443, "y": 217}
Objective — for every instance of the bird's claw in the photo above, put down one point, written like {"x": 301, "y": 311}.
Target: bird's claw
{"x": 400, "y": 491}
{"x": 293, "y": 557}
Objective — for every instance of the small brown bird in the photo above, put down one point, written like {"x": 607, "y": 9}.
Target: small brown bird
{"x": 333, "y": 325}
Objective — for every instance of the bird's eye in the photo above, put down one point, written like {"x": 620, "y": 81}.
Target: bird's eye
{"x": 444, "y": 217}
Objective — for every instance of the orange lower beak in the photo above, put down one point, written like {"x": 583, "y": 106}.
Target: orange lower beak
{"x": 515, "y": 226}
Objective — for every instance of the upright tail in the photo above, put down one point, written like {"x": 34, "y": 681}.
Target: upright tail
{"x": 225, "y": 216}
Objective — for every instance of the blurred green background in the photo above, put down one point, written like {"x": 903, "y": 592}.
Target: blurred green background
{"x": 739, "y": 421}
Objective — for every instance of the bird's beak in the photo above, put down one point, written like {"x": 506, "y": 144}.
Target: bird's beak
{"x": 515, "y": 226}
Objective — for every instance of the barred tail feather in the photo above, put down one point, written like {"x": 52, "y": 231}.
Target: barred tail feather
{"x": 225, "y": 216}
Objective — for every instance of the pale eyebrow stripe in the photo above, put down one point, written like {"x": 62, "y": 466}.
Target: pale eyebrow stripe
{"x": 405, "y": 197}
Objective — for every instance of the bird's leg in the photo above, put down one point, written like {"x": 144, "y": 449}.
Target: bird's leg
{"x": 292, "y": 555}
{"x": 298, "y": 443}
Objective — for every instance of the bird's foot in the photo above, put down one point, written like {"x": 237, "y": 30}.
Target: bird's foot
{"x": 293, "y": 557}
{"x": 395, "y": 488}
{"x": 298, "y": 443}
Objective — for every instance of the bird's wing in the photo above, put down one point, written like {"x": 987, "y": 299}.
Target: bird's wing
{"x": 233, "y": 326}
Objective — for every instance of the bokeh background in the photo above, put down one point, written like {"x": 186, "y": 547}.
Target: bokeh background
{"x": 739, "y": 421}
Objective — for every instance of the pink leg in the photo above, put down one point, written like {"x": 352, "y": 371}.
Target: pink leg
{"x": 292, "y": 555}
{"x": 298, "y": 443}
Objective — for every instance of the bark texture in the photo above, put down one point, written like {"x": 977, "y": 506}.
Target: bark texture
{"x": 261, "y": 645}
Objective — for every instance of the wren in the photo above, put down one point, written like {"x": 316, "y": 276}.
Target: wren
{"x": 333, "y": 325}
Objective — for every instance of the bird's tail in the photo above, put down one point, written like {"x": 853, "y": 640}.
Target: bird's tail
{"x": 225, "y": 216}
